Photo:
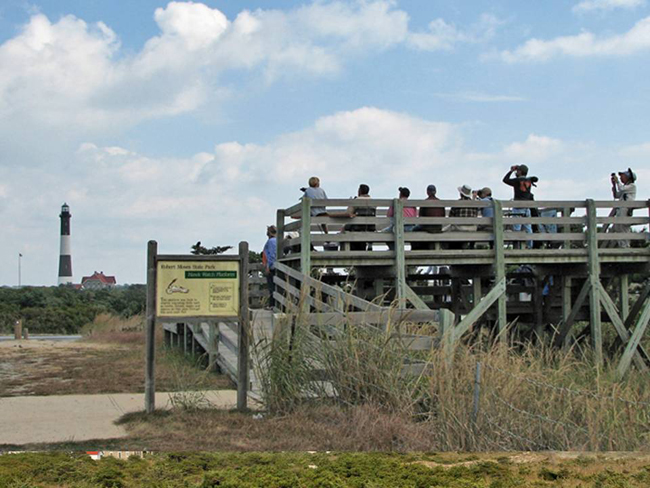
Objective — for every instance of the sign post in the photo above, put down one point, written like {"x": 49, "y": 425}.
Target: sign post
{"x": 191, "y": 287}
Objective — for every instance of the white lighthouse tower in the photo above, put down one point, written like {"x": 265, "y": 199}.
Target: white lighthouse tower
{"x": 65, "y": 256}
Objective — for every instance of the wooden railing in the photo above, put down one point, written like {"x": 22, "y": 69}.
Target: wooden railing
{"x": 563, "y": 226}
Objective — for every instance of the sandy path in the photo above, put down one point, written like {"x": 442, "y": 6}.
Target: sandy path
{"x": 65, "y": 418}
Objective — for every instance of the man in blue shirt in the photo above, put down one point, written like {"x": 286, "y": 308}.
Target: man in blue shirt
{"x": 269, "y": 256}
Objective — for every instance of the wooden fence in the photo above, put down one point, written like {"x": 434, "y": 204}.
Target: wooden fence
{"x": 577, "y": 238}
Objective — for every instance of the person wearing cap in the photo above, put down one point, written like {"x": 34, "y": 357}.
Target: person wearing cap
{"x": 522, "y": 185}
{"x": 624, "y": 190}
{"x": 269, "y": 256}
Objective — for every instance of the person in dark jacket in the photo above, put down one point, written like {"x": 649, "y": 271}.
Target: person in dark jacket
{"x": 522, "y": 185}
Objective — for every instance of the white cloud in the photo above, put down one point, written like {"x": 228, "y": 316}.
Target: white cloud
{"x": 72, "y": 76}
{"x": 585, "y": 44}
{"x": 534, "y": 149}
{"x": 605, "y": 5}
{"x": 636, "y": 151}
{"x": 444, "y": 36}
{"x": 120, "y": 198}
{"x": 472, "y": 96}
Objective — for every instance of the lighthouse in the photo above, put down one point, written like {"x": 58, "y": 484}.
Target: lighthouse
{"x": 65, "y": 256}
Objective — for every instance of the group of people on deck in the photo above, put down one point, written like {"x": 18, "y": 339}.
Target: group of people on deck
{"x": 623, "y": 189}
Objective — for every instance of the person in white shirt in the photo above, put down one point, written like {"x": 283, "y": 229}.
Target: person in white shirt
{"x": 624, "y": 190}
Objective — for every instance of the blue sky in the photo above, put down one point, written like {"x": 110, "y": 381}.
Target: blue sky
{"x": 186, "y": 121}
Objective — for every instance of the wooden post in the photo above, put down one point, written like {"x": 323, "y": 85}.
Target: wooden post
{"x": 566, "y": 228}
{"x": 18, "y": 330}
{"x": 305, "y": 237}
{"x": 400, "y": 262}
{"x": 25, "y": 333}
{"x": 477, "y": 292}
{"x": 500, "y": 267}
{"x": 213, "y": 344}
{"x": 244, "y": 330}
{"x": 279, "y": 238}
{"x": 594, "y": 280}
{"x": 150, "y": 374}
{"x": 625, "y": 296}
{"x": 566, "y": 306}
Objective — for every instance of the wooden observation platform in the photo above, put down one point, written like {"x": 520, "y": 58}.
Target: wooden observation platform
{"x": 465, "y": 271}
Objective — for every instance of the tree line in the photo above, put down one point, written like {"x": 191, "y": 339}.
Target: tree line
{"x": 65, "y": 310}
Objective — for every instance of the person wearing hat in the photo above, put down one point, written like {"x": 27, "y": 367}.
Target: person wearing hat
{"x": 269, "y": 256}
{"x": 522, "y": 185}
{"x": 624, "y": 190}
{"x": 465, "y": 192}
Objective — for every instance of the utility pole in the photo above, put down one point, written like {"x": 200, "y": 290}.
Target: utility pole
{"x": 19, "y": 270}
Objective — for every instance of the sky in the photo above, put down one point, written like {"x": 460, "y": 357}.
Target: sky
{"x": 188, "y": 121}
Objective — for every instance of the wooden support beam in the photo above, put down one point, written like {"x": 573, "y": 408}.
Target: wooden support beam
{"x": 446, "y": 331}
{"x": 594, "y": 279}
{"x": 566, "y": 305}
{"x": 305, "y": 237}
{"x": 482, "y": 307}
{"x": 610, "y": 308}
{"x": 279, "y": 238}
{"x": 624, "y": 291}
{"x": 243, "y": 368}
{"x": 500, "y": 268}
{"x": 636, "y": 308}
{"x": 150, "y": 379}
{"x": 400, "y": 262}
{"x": 635, "y": 340}
{"x": 476, "y": 290}
{"x": 415, "y": 300}
{"x": 568, "y": 323}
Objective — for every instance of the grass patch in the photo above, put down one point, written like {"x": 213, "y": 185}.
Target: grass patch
{"x": 303, "y": 470}
{"x": 110, "y": 359}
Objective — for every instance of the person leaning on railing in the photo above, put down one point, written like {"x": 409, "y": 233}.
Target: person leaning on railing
{"x": 429, "y": 212}
{"x": 623, "y": 190}
{"x": 407, "y": 212}
{"x": 354, "y": 211}
{"x": 456, "y": 212}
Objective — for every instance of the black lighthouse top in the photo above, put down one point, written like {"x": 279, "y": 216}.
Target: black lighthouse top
{"x": 65, "y": 219}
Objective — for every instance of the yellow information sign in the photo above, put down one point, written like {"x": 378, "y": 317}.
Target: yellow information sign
{"x": 197, "y": 289}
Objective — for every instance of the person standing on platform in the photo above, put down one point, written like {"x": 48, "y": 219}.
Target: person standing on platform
{"x": 269, "y": 257}
{"x": 522, "y": 185}
{"x": 623, "y": 190}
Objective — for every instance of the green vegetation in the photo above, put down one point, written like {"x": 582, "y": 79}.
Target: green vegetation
{"x": 65, "y": 310}
{"x": 304, "y": 470}
{"x": 531, "y": 396}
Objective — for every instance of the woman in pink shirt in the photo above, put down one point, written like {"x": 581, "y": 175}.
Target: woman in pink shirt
{"x": 409, "y": 212}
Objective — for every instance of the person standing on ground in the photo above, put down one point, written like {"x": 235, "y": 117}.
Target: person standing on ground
{"x": 269, "y": 257}
{"x": 522, "y": 185}
{"x": 623, "y": 190}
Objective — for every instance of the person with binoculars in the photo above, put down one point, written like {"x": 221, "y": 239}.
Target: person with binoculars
{"x": 522, "y": 185}
{"x": 624, "y": 190}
